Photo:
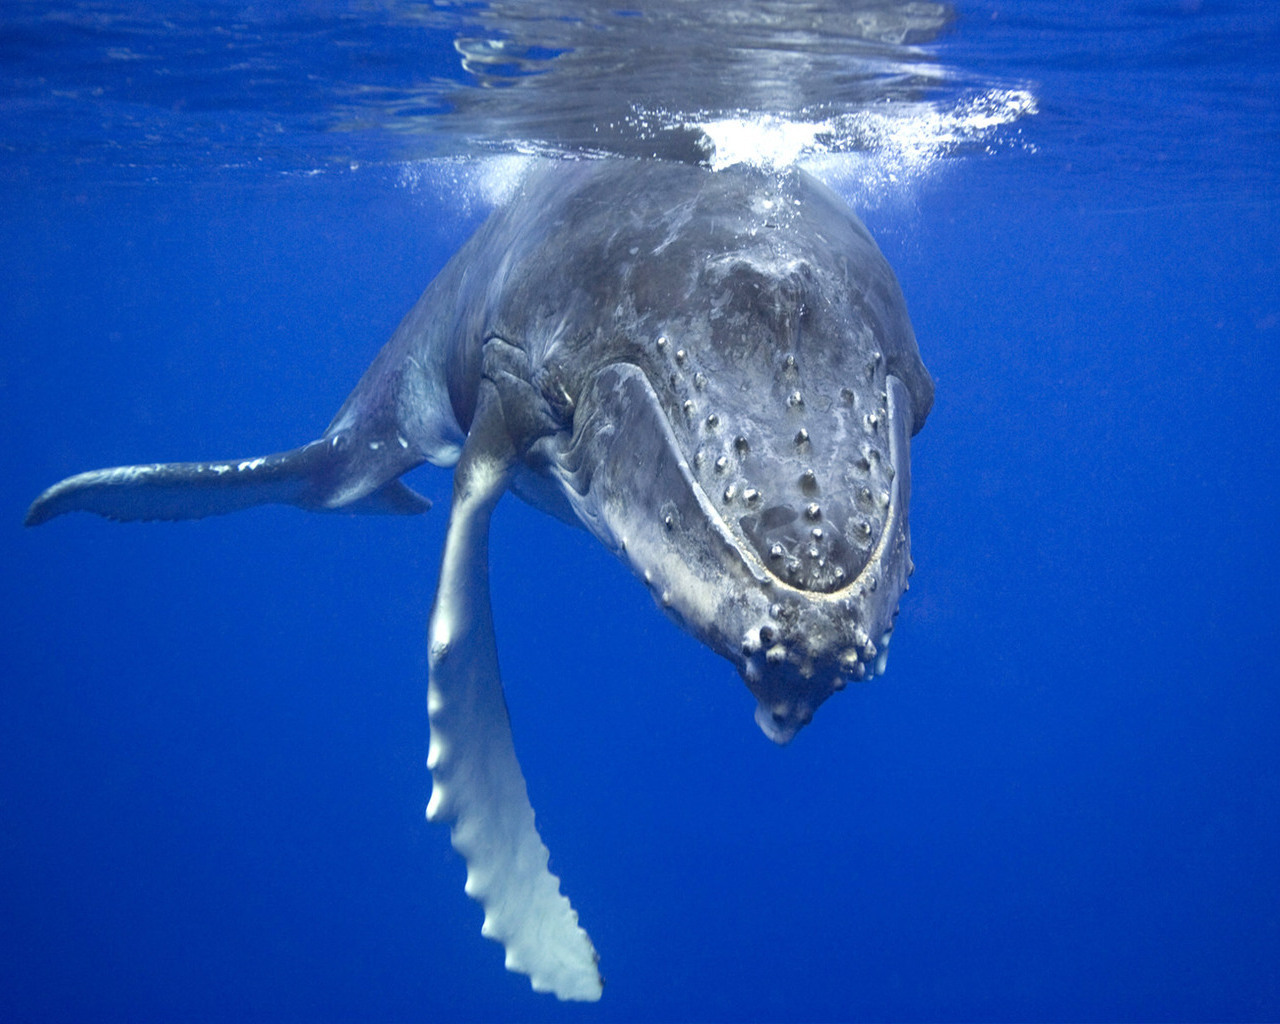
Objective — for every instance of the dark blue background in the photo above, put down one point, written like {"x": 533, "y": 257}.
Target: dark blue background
{"x": 1062, "y": 802}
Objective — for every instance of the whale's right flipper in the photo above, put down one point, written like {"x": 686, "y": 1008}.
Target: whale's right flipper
{"x": 477, "y": 782}
{"x": 321, "y": 476}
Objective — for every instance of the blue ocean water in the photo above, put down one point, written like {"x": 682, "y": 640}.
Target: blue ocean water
{"x": 1061, "y": 803}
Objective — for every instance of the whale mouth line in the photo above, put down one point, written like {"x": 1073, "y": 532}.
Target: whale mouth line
{"x": 867, "y": 577}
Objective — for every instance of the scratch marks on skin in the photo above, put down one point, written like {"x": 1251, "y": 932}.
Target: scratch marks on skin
{"x": 680, "y": 217}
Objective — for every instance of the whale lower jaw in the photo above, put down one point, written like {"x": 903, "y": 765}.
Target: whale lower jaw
{"x": 629, "y": 483}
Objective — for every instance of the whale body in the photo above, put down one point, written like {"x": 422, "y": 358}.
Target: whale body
{"x": 712, "y": 372}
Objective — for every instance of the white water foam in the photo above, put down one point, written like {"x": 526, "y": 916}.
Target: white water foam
{"x": 877, "y": 152}
{"x": 873, "y": 156}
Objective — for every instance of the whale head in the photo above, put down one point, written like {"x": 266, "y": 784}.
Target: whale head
{"x": 737, "y": 427}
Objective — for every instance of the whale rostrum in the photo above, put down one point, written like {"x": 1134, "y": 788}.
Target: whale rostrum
{"x": 711, "y": 371}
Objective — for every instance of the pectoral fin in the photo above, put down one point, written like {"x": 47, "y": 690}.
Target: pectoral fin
{"x": 478, "y": 786}
{"x": 320, "y": 476}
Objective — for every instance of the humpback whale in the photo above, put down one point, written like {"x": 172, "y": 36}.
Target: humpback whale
{"x": 713, "y": 372}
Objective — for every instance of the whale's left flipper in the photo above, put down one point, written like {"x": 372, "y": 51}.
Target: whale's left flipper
{"x": 478, "y": 786}
{"x": 322, "y": 476}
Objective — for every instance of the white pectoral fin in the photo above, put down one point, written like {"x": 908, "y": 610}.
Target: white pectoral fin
{"x": 477, "y": 783}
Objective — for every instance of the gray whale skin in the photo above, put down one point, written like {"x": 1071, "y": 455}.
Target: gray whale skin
{"x": 712, "y": 372}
